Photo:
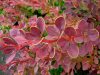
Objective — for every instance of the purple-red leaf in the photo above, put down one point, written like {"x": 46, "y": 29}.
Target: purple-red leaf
{"x": 41, "y": 24}
{"x": 35, "y": 32}
{"x": 93, "y": 34}
{"x": 85, "y": 49}
{"x": 83, "y": 25}
{"x": 10, "y": 58}
{"x": 43, "y": 51}
{"x": 14, "y": 32}
{"x": 20, "y": 39}
{"x": 53, "y": 32}
{"x": 9, "y": 41}
{"x": 73, "y": 50}
{"x": 70, "y": 31}
{"x": 60, "y": 23}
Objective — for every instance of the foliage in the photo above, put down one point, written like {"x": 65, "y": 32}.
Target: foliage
{"x": 57, "y": 71}
{"x": 50, "y": 37}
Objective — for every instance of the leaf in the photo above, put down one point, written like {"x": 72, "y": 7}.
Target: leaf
{"x": 60, "y": 23}
{"x": 30, "y": 36}
{"x": 53, "y": 32}
{"x": 56, "y": 3}
{"x": 60, "y": 69}
{"x": 20, "y": 39}
{"x": 83, "y": 25}
{"x": 27, "y": 10}
{"x": 73, "y": 50}
{"x": 85, "y": 49}
{"x": 39, "y": 13}
{"x": 2, "y": 73}
{"x": 85, "y": 65}
{"x": 93, "y": 34}
{"x": 14, "y": 32}
{"x": 43, "y": 51}
{"x": 41, "y": 24}
{"x": 57, "y": 71}
{"x": 45, "y": 33}
{"x": 35, "y": 32}
{"x": 10, "y": 58}
{"x": 9, "y": 41}
{"x": 8, "y": 49}
{"x": 62, "y": 3}
{"x": 70, "y": 31}
{"x": 63, "y": 44}
{"x": 1, "y": 11}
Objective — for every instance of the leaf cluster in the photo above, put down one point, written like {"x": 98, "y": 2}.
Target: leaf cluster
{"x": 56, "y": 71}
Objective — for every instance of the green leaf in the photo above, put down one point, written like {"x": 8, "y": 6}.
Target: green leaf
{"x": 2, "y": 56}
{"x": 1, "y": 53}
{"x": 44, "y": 34}
{"x": 62, "y": 3}
{"x": 57, "y": 71}
{"x": 60, "y": 69}
{"x": 39, "y": 13}
{"x": 50, "y": 2}
{"x": 56, "y": 3}
{"x": 1, "y": 11}
{"x": 27, "y": 10}
{"x": 1, "y": 72}
{"x": 60, "y": 11}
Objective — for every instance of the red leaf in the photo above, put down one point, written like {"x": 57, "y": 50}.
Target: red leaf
{"x": 83, "y": 25}
{"x": 35, "y": 32}
{"x": 73, "y": 50}
{"x": 63, "y": 44}
{"x": 53, "y": 32}
{"x": 43, "y": 51}
{"x": 60, "y": 23}
{"x": 10, "y": 58}
{"x": 41, "y": 24}
{"x": 20, "y": 39}
{"x": 14, "y": 32}
{"x": 9, "y": 41}
{"x": 8, "y": 49}
{"x": 93, "y": 34}
{"x": 85, "y": 49}
{"x": 70, "y": 31}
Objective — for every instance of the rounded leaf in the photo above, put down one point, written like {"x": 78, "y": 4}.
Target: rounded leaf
{"x": 83, "y": 25}
{"x": 85, "y": 49}
{"x": 60, "y": 23}
{"x": 41, "y": 24}
{"x": 70, "y": 31}
{"x": 20, "y": 39}
{"x": 73, "y": 50}
{"x": 93, "y": 34}
{"x": 35, "y": 32}
{"x": 43, "y": 51}
{"x": 63, "y": 44}
{"x": 53, "y": 32}
{"x": 14, "y": 32}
